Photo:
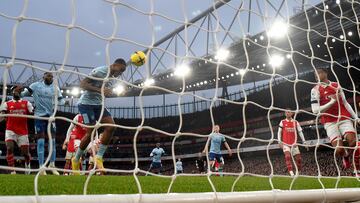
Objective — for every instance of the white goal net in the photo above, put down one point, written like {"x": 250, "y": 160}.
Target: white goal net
{"x": 244, "y": 65}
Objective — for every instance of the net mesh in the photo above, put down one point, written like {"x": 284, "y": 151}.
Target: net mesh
{"x": 323, "y": 35}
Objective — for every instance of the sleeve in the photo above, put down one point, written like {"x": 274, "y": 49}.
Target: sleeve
{"x": 347, "y": 105}
{"x": 223, "y": 139}
{"x": 280, "y": 132}
{"x": 30, "y": 107}
{"x": 28, "y": 91}
{"x": 315, "y": 105}
{"x": 299, "y": 130}
{"x": 4, "y": 107}
{"x": 152, "y": 153}
{"x": 71, "y": 127}
{"x": 97, "y": 73}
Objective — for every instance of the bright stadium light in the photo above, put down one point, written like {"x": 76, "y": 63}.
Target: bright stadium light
{"x": 350, "y": 33}
{"x": 276, "y": 61}
{"x": 75, "y": 91}
{"x": 222, "y": 54}
{"x": 278, "y": 29}
{"x": 242, "y": 71}
{"x": 182, "y": 70}
{"x": 341, "y": 36}
{"x": 119, "y": 89}
{"x": 148, "y": 82}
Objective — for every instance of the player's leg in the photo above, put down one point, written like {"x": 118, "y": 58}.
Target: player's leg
{"x": 68, "y": 157}
{"x": 297, "y": 155}
{"x": 87, "y": 111}
{"x": 106, "y": 137}
{"x": 53, "y": 152}
{"x": 288, "y": 161}
{"x": 40, "y": 127}
{"x": 212, "y": 158}
{"x": 150, "y": 168}
{"x": 10, "y": 144}
{"x": 220, "y": 159}
{"x": 347, "y": 129}
{"x": 357, "y": 160}
{"x": 23, "y": 142}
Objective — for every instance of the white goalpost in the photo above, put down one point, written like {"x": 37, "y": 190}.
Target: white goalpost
{"x": 320, "y": 33}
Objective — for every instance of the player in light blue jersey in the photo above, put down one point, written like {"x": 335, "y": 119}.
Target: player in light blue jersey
{"x": 156, "y": 155}
{"x": 90, "y": 107}
{"x": 44, "y": 94}
{"x": 179, "y": 166}
{"x": 216, "y": 140}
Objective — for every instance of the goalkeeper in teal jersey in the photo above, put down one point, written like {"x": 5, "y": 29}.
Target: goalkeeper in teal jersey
{"x": 156, "y": 155}
{"x": 216, "y": 140}
{"x": 44, "y": 93}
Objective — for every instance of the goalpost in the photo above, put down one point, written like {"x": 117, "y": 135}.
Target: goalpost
{"x": 302, "y": 40}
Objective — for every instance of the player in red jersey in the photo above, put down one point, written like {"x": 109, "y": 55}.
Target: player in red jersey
{"x": 73, "y": 138}
{"x": 16, "y": 128}
{"x": 328, "y": 100}
{"x": 287, "y": 138}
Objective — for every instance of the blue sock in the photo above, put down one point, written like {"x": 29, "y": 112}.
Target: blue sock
{"x": 102, "y": 150}
{"x": 78, "y": 154}
{"x": 53, "y": 154}
{"x": 40, "y": 151}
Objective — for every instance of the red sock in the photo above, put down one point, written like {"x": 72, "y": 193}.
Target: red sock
{"x": 67, "y": 164}
{"x": 356, "y": 159}
{"x": 10, "y": 158}
{"x": 288, "y": 162}
{"x": 298, "y": 162}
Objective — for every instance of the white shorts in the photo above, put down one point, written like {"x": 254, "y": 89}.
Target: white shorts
{"x": 21, "y": 140}
{"x": 69, "y": 155}
{"x": 294, "y": 150}
{"x": 336, "y": 130}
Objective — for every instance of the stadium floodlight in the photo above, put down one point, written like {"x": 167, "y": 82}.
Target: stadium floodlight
{"x": 337, "y": 1}
{"x": 350, "y": 33}
{"x": 242, "y": 71}
{"x": 288, "y": 56}
{"x": 182, "y": 70}
{"x": 333, "y": 40}
{"x": 68, "y": 91}
{"x": 278, "y": 29}
{"x": 341, "y": 36}
{"x": 148, "y": 82}
{"x": 75, "y": 91}
{"x": 119, "y": 89}
{"x": 276, "y": 61}
{"x": 222, "y": 54}
{"x": 261, "y": 37}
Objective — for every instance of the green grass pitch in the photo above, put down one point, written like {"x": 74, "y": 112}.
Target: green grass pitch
{"x": 56, "y": 185}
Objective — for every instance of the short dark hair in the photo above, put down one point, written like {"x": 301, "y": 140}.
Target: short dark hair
{"x": 120, "y": 61}
{"x": 48, "y": 72}
{"x": 325, "y": 69}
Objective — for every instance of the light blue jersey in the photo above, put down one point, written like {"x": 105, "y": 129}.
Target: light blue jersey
{"x": 156, "y": 154}
{"x": 44, "y": 97}
{"x": 179, "y": 166}
{"x": 217, "y": 139}
{"x": 91, "y": 97}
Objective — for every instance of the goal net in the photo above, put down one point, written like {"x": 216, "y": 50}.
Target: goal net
{"x": 244, "y": 65}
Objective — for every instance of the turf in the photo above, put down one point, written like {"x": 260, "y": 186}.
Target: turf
{"x": 55, "y": 185}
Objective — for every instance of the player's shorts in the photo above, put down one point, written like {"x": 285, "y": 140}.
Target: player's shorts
{"x": 294, "y": 150}
{"x": 156, "y": 165}
{"x": 91, "y": 113}
{"x": 179, "y": 171}
{"x": 21, "y": 140}
{"x": 69, "y": 155}
{"x": 217, "y": 157}
{"x": 41, "y": 126}
{"x": 336, "y": 130}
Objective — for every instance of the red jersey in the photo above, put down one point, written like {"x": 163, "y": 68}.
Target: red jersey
{"x": 289, "y": 130}
{"x": 76, "y": 132}
{"x": 17, "y": 124}
{"x": 338, "y": 111}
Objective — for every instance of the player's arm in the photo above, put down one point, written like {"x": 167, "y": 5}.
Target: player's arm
{"x": 279, "y": 134}
{"x": 315, "y": 104}
{"x": 27, "y": 91}
{"x": 207, "y": 144}
{"x": 68, "y": 133}
{"x": 348, "y": 106}
{"x": 30, "y": 107}
{"x": 227, "y": 147}
{"x": 152, "y": 153}
{"x": 3, "y": 110}
{"x": 301, "y": 134}
{"x": 86, "y": 84}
